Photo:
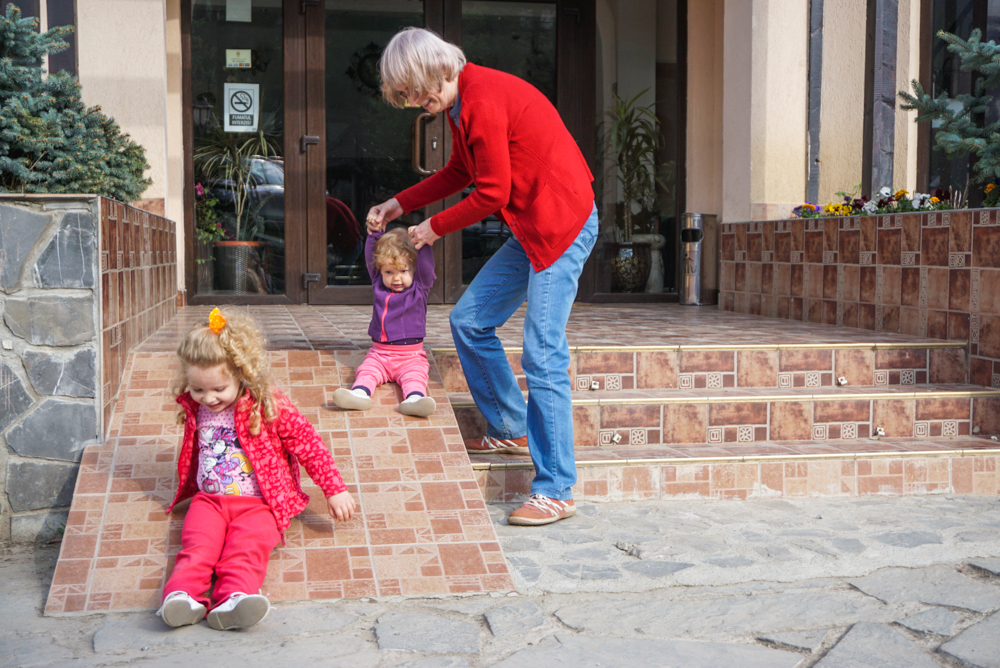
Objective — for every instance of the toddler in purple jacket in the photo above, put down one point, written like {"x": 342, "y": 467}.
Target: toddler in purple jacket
{"x": 401, "y": 278}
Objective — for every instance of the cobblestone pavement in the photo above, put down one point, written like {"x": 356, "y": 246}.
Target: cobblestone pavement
{"x": 832, "y": 583}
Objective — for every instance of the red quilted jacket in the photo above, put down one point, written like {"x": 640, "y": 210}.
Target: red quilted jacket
{"x": 275, "y": 454}
{"x": 510, "y": 142}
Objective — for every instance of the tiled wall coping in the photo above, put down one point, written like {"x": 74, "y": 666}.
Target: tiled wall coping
{"x": 933, "y": 274}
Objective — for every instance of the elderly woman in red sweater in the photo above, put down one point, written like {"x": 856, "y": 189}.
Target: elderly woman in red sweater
{"x": 510, "y": 142}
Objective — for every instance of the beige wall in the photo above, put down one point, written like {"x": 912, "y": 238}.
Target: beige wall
{"x": 779, "y": 122}
{"x": 842, "y": 115}
{"x": 704, "y": 106}
{"x": 904, "y": 169}
{"x": 122, "y": 56}
{"x": 843, "y": 104}
{"x": 748, "y": 87}
{"x": 130, "y": 65}
{"x": 737, "y": 79}
{"x": 175, "y": 131}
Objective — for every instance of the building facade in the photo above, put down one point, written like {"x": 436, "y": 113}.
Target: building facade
{"x": 762, "y": 105}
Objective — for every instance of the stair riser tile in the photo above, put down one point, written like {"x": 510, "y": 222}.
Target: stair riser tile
{"x": 696, "y": 369}
{"x": 749, "y": 480}
{"x": 746, "y": 422}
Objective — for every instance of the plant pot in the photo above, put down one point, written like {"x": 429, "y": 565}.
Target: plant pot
{"x": 630, "y": 263}
{"x": 238, "y": 267}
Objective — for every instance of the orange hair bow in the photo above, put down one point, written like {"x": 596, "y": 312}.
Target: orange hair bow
{"x": 216, "y": 321}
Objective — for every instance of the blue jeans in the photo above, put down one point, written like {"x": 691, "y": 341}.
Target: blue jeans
{"x": 498, "y": 290}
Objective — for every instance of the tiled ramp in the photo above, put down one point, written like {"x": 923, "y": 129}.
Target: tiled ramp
{"x": 423, "y": 527}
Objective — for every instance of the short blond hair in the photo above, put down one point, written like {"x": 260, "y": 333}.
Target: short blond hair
{"x": 395, "y": 249}
{"x": 241, "y": 347}
{"x": 419, "y": 61}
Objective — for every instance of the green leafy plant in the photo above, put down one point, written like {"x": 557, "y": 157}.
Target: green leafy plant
{"x": 224, "y": 160}
{"x": 633, "y": 136}
{"x": 208, "y": 225}
{"x": 961, "y": 121}
{"x": 50, "y": 142}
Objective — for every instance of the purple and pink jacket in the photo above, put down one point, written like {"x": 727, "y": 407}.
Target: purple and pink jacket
{"x": 397, "y": 316}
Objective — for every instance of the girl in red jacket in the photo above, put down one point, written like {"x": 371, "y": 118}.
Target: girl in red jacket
{"x": 243, "y": 442}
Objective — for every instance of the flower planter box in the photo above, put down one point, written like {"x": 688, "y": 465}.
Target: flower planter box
{"x": 934, "y": 275}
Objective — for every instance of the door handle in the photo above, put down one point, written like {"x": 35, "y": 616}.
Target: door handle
{"x": 309, "y": 278}
{"x": 307, "y": 141}
{"x": 306, "y": 4}
{"x": 417, "y": 142}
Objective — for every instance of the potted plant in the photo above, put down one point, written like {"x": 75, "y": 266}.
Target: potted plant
{"x": 225, "y": 160}
{"x": 633, "y": 137}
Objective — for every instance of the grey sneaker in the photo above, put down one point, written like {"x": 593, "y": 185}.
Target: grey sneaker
{"x": 417, "y": 406}
{"x": 351, "y": 400}
{"x": 240, "y": 611}
{"x": 179, "y": 609}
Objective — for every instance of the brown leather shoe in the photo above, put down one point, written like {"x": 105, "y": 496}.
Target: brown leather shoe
{"x": 539, "y": 510}
{"x": 488, "y": 445}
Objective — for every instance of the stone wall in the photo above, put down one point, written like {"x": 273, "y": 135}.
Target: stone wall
{"x": 56, "y": 386}
{"x": 934, "y": 275}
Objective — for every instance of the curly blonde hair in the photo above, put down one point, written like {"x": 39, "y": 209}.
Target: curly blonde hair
{"x": 395, "y": 249}
{"x": 419, "y": 61}
{"x": 240, "y": 346}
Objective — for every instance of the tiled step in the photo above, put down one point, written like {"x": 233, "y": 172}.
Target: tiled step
{"x": 789, "y": 469}
{"x": 787, "y": 365}
{"x": 745, "y": 418}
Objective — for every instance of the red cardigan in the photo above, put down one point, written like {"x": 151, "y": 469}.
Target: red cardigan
{"x": 274, "y": 453}
{"x": 526, "y": 166}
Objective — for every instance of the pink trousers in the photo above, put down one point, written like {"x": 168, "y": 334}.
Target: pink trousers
{"x": 231, "y": 536}
{"x": 406, "y": 365}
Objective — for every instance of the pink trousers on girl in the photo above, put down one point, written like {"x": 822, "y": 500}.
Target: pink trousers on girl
{"x": 231, "y": 536}
{"x": 406, "y": 365}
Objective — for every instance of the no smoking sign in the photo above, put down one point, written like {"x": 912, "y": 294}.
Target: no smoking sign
{"x": 242, "y": 107}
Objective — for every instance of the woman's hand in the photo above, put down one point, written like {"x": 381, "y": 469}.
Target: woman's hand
{"x": 422, "y": 234}
{"x": 341, "y": 506}
{"x": 381, "y": 214}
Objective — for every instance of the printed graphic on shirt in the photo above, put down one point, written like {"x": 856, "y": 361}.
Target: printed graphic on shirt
{"x": 223, "y": 467}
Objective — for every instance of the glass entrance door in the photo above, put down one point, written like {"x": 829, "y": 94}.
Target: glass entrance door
{"x": 370, "y": 151}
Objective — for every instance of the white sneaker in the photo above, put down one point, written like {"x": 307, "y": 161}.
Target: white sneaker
{"x": 179, "y": 609}
{"x": 352, "y": 400}
{"x": 417, "y": 406}
{"x": 240, "y": 611}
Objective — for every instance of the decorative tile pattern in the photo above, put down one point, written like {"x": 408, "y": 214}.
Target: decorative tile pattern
{"x": 854, "y": 475}
{"x": 933, "y": 275}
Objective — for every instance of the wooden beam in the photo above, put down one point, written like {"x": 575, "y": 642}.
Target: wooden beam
{"x": 880, "y": 95}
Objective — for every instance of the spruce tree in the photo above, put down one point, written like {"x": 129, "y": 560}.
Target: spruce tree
{"x": 50, "y": 142}
{"x": 962, "y": 128}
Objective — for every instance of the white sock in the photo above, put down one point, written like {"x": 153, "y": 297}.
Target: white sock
{"x": 413, "y": 397}
{"x": 358, "y": 392}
